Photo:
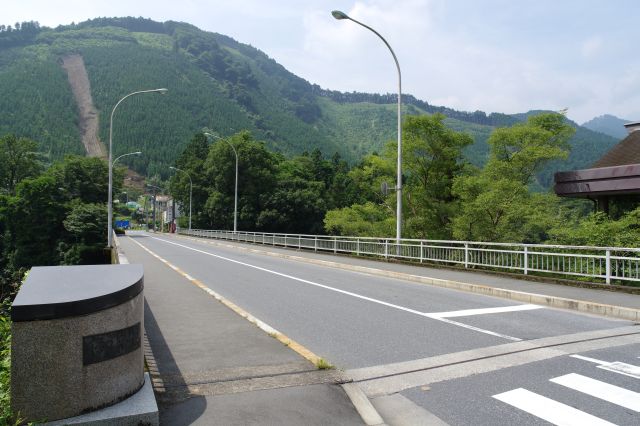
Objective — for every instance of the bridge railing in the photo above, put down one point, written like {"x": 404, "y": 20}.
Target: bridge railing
{"x": 621, "y": 264}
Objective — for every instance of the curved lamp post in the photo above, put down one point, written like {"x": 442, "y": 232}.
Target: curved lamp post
{"x": 110, "y": 200}
{"x": 341, "y": 15}
{"x": 124, "y": 155}
{"x": 235, "y": 201}
{"x": 190, "y": 190}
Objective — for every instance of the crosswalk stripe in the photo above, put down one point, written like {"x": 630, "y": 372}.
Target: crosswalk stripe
{"x": 547, "y": 409}
{"x": 615, "y": 367}
{"x": 610, "y": 393}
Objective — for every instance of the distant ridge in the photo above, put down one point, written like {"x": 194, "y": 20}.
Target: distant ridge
{"x": 609, "y": 125}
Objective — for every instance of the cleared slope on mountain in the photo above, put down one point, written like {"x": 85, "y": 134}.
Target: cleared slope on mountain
{"x": 87, "y": 113}
{"x": 215, "y": 82}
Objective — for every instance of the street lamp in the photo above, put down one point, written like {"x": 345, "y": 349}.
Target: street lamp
{"x": 341, "y": 15}
{"x": 110, "y": 200}
{"x": 235, "y": 202}
{"x": 190, "y": 190}
{"x": 124, "y": 155}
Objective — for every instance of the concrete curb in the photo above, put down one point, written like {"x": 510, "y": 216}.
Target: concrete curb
{"x": 520, "y": 296}
{"x": 363, "y": 406}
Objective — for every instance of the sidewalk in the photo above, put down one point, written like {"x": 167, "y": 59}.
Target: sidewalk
{"x": 211, "y": 366}
{"x": 552, "y": 294}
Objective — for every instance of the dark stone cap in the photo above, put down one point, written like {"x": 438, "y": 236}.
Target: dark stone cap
{"x": 52, "y": 292}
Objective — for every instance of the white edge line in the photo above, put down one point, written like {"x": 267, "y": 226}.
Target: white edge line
{"x": 348, "y": 293}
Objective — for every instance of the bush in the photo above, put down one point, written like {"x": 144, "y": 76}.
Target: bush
{"x": 119, "y": 231}
{"x": 6, "y": 415}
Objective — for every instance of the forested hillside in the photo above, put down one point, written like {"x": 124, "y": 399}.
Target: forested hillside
{"x": 213, "y": 81}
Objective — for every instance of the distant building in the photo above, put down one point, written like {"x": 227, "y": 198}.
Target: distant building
{"x": 614, "y": 177}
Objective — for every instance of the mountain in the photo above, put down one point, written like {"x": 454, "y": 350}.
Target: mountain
{"x": 58, "y": 86}
{"x": 609, "y": 125}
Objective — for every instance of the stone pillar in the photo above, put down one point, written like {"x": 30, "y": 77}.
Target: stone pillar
{"x": 76, "y": 340}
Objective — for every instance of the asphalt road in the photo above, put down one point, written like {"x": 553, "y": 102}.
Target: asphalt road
{"x": 359, "y": 321}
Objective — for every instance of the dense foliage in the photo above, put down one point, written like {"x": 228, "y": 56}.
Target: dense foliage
{"x": 213, "y": 81}
{"x": 275, "y": 194}
{"x": 55, "y": 216}
{"x": 445, "y": 197}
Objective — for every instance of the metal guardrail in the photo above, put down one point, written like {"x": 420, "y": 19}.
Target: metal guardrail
{"x": 601, "y": 263}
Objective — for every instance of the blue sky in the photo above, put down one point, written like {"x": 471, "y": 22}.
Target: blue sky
{"x": 491, "y": 55}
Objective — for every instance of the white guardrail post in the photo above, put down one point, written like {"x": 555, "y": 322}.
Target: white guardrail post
{"x": 608, "y": 267}
{"x": 466, "y": 255}
{"x": 526, "y": 260}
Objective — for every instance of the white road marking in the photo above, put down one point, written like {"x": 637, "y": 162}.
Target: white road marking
{"x": 483, "y": 311}
{"x": 615, "y": 367}
{"x": 348, "y": 293}
{"x": 548, "y": 409}
{"x": 585, "y": 358}
{"x": 610, "y": 393}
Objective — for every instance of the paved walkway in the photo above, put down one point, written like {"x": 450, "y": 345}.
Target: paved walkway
{"x": 214, "y": 367}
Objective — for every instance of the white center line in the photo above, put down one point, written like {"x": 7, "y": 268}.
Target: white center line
{"x": 348, "y": 293}
{"x": 548, "y": 409}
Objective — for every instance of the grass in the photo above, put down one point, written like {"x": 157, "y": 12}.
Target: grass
{"x": 323, "y": 364}
{"x": 7, "y": 417}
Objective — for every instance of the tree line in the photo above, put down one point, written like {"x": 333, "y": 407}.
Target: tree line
{"x": 53, "y": 215}
{"x": 445, "y": 197}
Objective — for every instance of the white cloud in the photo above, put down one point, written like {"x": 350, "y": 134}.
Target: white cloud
{"x": 493, "y": 56}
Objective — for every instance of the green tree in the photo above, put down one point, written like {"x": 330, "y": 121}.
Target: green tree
{"x": 192, "y": 162}
{"x": 256, "y": 181}
{"x": 86, "y": 225}
{"x": 598, "y": 229}
{"x": 18, "y": 161}
{"x": 297, "y": 204}
{"x": 38, "y": 233}
{"x": 366, "y": 220}
{"x": 432, "y": 160}
{"x": 496, "y": 202}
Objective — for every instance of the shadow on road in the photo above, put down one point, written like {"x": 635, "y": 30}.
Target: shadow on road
{"x": 177, "y": 406}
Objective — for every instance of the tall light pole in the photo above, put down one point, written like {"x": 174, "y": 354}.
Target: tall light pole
{"x": 124, "y": 155}
{"x": 110, "y": 200}
{"x": 341, "y": 15}
{"x": 190, "y": 190}
{"x": 235, "y": 200}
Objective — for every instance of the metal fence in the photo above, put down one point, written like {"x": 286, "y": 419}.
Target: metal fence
{"x": 608, "y": 264}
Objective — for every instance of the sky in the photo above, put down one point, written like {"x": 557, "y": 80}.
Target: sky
{"x": 505, "y": 56}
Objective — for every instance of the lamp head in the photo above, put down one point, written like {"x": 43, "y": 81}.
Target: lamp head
{"x": 339, "y": 15}
{"x": 137, "y": 153}
{"x": 162, "y": 91}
